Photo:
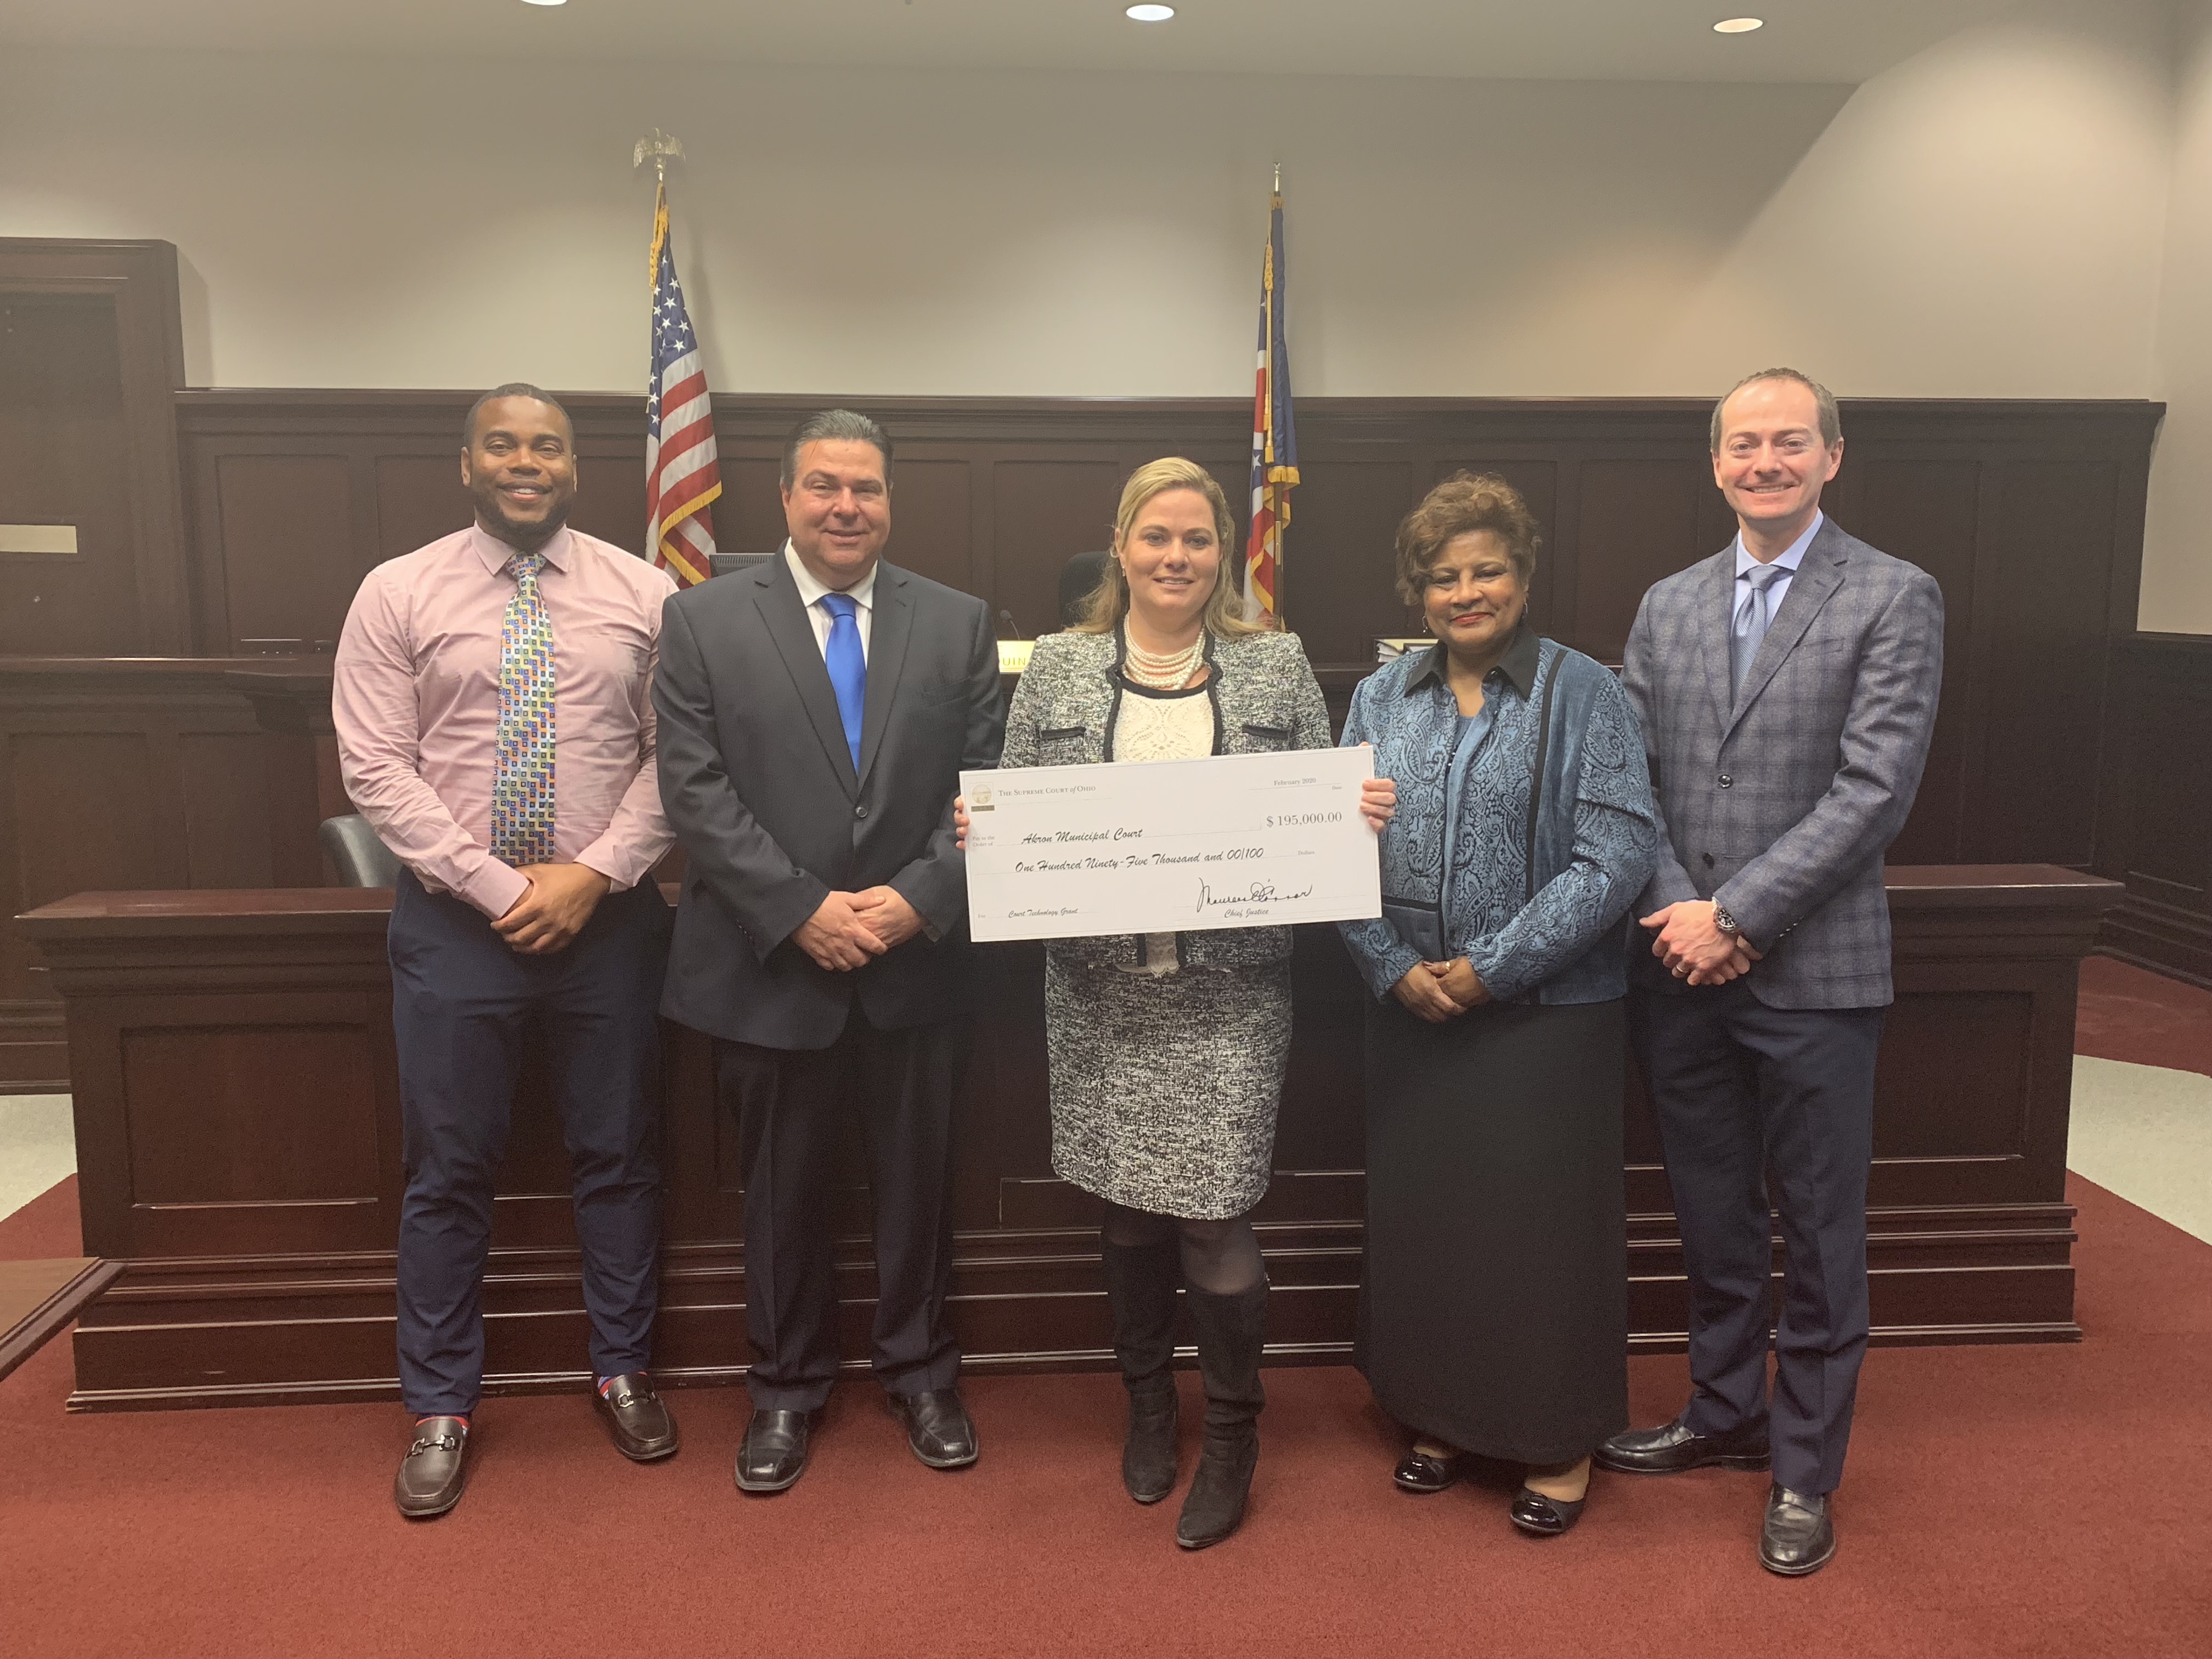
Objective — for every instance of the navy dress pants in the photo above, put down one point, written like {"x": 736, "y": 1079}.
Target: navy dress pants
{"x": 463, "y": 1006}
{"x": 1740, "y": 1089}
{"x": 792, "y": 1108}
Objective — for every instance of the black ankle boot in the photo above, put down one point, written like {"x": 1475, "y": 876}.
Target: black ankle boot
{"x": 1140, "y": 1287}
{"x": 1231, "y": 1331}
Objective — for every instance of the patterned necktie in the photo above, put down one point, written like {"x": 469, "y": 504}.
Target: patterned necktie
{"x": 522, "y": 769}
{"x": 849, "y": 669}
{"x": 1752, "y": 618}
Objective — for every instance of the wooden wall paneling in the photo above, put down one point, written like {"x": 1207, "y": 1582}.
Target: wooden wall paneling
{"x": 2155, "y": 804}
{"x": 1339, "y": 563}
{"x": 125, "y": 593}
{"x": 2041, "y": 728}
{"x": 290, "y": 560}
{"x": 1637, "y": 522}
{"x": 2008, "y": 504}
{"x": 147, "y": 774}
{"x": 1925, "y": 509}
{"x": 1045, "y": 508}
{"x": 63, "y": 422}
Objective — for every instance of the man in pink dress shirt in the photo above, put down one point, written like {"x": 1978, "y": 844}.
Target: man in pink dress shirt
{"x": 493, "y": 699}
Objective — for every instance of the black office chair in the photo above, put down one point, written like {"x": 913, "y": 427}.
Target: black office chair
{"x": 728, "y": 564}
{"x": 360, "y": 860}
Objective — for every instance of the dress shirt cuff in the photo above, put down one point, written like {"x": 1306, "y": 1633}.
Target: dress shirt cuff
{"x": 624, "y": 864}
{"x": 494, "y": 887}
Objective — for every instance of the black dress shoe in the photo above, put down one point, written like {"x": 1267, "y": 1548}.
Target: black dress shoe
{"x": 773, "y": 1452}
{"x": 1546, "y": 1517}
{"x": 937, "y": 1427}
{"x": 644, "y": 1431}
{"x": 1798, "y": 1537}
{"x": 1425, "y": 1472}
{"x": 435, "y": 1470}
{"x": 1673, "y": 1447}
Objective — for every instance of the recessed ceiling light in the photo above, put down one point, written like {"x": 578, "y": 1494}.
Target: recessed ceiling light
{"x": 544, "y": 2}
{"x": 1152, "y": 13}
{"x": 1726, "y": 26}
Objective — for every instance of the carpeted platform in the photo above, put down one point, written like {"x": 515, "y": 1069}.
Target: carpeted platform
{"x": 2129, "y": 1013}
{"x": 2017, "y": 1501}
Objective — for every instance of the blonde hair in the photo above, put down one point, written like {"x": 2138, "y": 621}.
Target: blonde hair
{"x": 1109, "y": 601}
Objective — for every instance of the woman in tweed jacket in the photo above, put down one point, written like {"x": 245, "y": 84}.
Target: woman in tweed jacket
{"x": 1167, "y": 1050}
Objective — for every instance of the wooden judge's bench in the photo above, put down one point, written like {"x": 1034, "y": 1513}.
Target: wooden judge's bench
{"x": 237, "y": 1144}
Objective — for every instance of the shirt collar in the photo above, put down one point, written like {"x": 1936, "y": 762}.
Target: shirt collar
{"x": 1519, "y": 665}
{"x": 862, "y": 593}
{"x": 559, "y": 552}
{"x": 1791, "y": 556}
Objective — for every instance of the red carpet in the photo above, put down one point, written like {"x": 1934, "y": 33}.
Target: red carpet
{"x": 2005, "y": 1501}
{"x": 2128, "y": 1012}
{"x": 2009, "y": 1501}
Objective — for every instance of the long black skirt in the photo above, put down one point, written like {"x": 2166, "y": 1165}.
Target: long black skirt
{"x": 1493, "y": 1313}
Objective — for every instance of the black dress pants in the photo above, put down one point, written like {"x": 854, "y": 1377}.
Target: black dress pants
{"x": 463, "y": 1004}
{"x": 1740, "y": 1088}
{"x": 792, "y": 1106}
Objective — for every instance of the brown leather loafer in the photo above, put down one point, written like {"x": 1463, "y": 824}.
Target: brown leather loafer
{"x": 636, "y": 1416}
{"x": 435, "y": 1470}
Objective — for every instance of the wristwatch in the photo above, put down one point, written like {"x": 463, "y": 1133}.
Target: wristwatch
{"x": 1727, "y": 923}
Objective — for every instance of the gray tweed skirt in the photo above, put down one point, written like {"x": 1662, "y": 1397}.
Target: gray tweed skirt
{"x": 1164, "y": 1089}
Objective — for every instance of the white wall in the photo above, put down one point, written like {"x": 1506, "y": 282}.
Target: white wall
{"x": 2177, "y": 590}
{"x": 1989, "y": 218}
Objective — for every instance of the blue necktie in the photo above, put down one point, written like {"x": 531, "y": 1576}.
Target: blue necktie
{"x": 849, "y": 669}
{"x": 1753, "y": 617}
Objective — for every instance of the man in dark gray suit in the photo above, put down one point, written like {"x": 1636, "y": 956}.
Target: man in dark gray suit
{"x": 1787, "y": 686}
{"x": 814, "y": 716}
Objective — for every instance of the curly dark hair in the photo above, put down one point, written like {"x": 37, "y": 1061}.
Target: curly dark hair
{"x": 1463, "y": 503}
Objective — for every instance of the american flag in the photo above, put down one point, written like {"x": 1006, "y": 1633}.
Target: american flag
{"x": 683, "y": 477}
{"x": 1274, "y": 441}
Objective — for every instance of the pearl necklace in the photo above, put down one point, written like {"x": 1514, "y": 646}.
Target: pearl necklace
{"x": 1167, "y": 673}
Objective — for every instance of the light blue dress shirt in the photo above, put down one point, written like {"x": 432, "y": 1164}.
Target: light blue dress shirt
{"x": 1787, "y": 561}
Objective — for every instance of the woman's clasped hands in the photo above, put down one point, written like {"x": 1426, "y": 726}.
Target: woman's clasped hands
{"x": 1441, "y": 991}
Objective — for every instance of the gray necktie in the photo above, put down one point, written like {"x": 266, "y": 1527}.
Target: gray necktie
{"x": 1752, "y": 618}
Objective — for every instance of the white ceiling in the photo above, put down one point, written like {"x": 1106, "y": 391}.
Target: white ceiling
{"x": 1817, "y": 41}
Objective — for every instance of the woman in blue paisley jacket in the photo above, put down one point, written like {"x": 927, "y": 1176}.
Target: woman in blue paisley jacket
{"x": 1493, "y": 1310}
{"x": 1167, "y": 1050}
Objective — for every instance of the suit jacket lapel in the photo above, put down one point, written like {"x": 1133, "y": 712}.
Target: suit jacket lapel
{"x": 888, "y": 630}
{"x": 1715, "y": 613}
{"x": 777, "y": 596}
{"x": 1819, "y": 574}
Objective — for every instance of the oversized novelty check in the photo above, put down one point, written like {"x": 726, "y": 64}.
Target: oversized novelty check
{"x": 1238, "y": 841}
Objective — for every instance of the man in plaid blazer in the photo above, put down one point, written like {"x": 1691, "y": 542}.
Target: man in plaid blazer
{"x": 1787, "y": 686}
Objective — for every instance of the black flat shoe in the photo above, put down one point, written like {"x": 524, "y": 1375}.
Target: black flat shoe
{"x": 1545, "y": 1518}
{"x": 1672, "y": 1448}
{"x": 1424, "y": 1473}
{"x": 1799, "y": 1536}
{"x": 434, "y": 1470}
{"x": 938, "y": 1428}
{"x": 636, "y": 1417}
{"x": 773, "y": 1452}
